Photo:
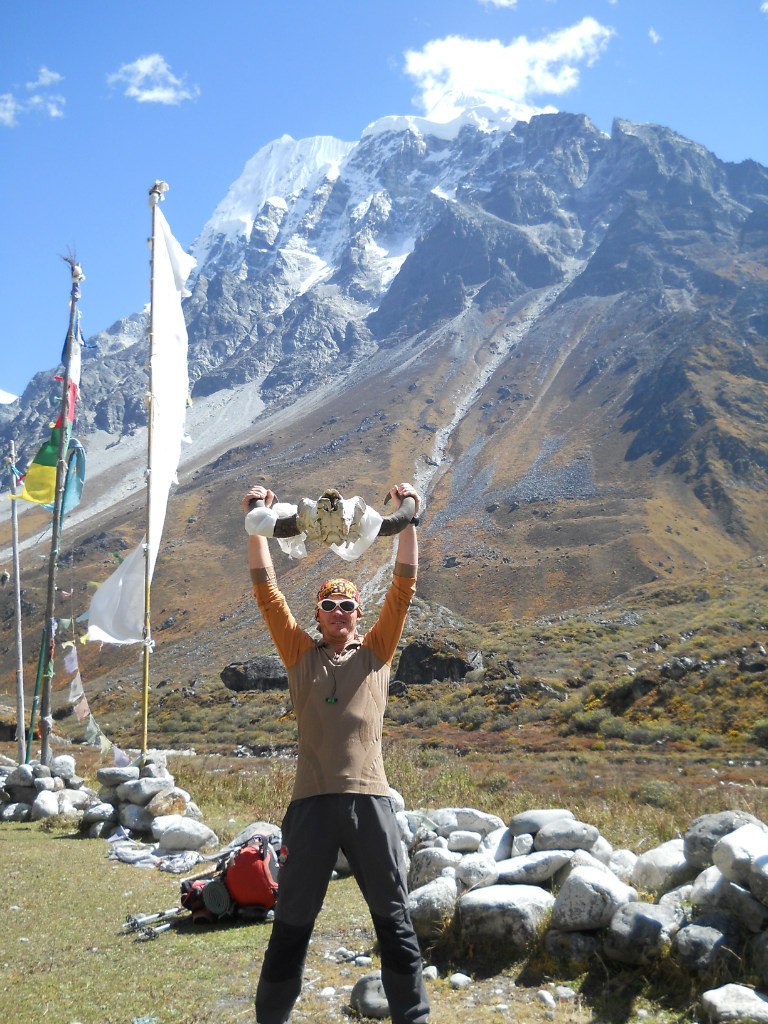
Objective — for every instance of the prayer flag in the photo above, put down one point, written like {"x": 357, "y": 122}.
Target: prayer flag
{"x": 117, "y": 609}
{"x": 39, "y": 482}
{"x": 93, "y": 733}
{"x": 70, "y": 655}
{"x": 82, "y": 709}
{"x": 120, "y": 757}
{"x": 75, "y": 478}
{"x": 76, "y": 688}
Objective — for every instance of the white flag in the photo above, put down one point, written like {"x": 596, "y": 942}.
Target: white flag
{"x": 76, "y": 690}
{"x": 117, "y": 609}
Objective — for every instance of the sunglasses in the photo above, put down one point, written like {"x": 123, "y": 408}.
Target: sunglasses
{"x": 330, "y": 604}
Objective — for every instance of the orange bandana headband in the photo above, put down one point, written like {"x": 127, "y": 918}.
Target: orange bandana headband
{"x": 338, "y": 586}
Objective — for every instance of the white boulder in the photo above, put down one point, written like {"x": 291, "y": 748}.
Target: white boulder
{"x": 663, "y": 868}
{"x": 737, "y": 1003}
{"x": 507, "y": 916}
{"x": 588, "y": 899}
{"x": 187, "y": 834}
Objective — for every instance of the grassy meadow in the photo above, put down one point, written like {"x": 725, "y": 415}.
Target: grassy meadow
{"x": 638, "y": 717}
{"x": 66, "y": 959}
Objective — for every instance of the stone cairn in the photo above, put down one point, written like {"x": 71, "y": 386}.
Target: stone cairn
{"x": 548, "y": 878}
{"x": 543, "y": 878}
{"x": 144, "y": 803}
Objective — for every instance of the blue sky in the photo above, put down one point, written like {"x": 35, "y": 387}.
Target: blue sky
{"x": 98, "y": 99}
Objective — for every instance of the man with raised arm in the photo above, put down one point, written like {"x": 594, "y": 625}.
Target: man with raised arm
{"x": 341, "y": 799}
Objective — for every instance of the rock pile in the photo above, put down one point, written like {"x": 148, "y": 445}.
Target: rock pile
{"x": 497, "y": 889}
{"x": 32, "y": 791}
{"x": 143, "y": 803}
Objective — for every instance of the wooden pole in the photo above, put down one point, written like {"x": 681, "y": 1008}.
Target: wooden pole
{"x": 53, "y": 562}
{"x": 36, "y": 696}
{"x": 155, "y": 196}
{"x": 20, "y": 716}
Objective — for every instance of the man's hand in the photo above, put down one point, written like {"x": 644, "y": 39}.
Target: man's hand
{"x": 258, "y": 493}
{"x": 404, "y": 490}
{"x": 258, "y": 548}
{"x": 407, "y": 544}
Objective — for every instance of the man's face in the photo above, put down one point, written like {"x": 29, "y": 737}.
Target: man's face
{"x": 337, "y": 625}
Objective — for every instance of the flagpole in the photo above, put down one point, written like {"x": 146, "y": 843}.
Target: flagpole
{"x": 49, "y": 629}
{"x": 20, "y": 725}
{"x": 155, "y": 196}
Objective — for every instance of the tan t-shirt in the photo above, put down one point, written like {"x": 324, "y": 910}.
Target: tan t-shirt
{"x": 339, "y": 740}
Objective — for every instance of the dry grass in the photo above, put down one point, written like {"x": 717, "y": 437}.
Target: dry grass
{"x": 66, "y": 958}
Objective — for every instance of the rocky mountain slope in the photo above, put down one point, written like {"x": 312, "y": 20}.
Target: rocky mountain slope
{"x": 559, "y": 335}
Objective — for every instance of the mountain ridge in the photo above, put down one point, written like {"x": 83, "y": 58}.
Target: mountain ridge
{"x": 559, "y": 335}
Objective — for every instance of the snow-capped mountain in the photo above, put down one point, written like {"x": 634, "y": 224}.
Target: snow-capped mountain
{"x": 277, "y": 175}
{"x": 559, "y": 333}
{"x": 327, "y": 225}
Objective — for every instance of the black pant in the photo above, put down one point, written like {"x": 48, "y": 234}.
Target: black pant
{"x": 314, "y": 829}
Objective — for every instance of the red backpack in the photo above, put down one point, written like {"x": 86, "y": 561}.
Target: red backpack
{"x": 250, "y": 874}
{"x": 245, "y": 882}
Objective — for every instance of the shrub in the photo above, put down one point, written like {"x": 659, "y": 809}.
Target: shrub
{"x": 612, "y": 728}
{"x": 653, "y": 732}
{"x": 710, "y": 741}
{"x": 427, "y": 716}
{"x": 430, "y": 756}
{"x": 587, "y": 721}
{"x": 759, "y": 732}
{"x": 500, "y": 723}
{"x": 474, "y": 718}
{"x": 658, "y": 793}
{"x": 495, "y": 782}
{"x": 400, "y": 712}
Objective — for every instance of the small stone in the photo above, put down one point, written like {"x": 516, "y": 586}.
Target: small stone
{"x": 63, "y": 766}
{"x": 459, "y": 980}
{"x": 546, "y": 997}
{"x": 368, "y": 997}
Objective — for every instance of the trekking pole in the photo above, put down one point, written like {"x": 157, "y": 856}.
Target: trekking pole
{"x": 152, "y": 932}
{"x": 135, "y": 922}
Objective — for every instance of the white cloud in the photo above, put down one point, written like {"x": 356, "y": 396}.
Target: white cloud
{"x": 51, "y": 105}
{"x": 13, "y": 108}
{"x": 150, "y": 80}
{"x": 10, "y": 109}
{"x": 499, "y": 3}
{"x": 45, "y": 78}
{"x": 654, "y": 36}
{"x": 455, "y": 73}
{"x": 764, "y": 7}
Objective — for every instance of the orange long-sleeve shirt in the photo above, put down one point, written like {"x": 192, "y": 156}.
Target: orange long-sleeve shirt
{"x": 340, "y": 748}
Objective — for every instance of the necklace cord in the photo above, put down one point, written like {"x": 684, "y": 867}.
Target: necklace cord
{"x": 332, "y": 698}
